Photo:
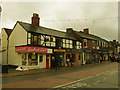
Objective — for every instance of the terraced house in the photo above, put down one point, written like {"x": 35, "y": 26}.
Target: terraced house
{"x": 34, "y": 46}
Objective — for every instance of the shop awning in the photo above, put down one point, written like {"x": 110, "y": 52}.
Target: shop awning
{"x": 31, "y": 49}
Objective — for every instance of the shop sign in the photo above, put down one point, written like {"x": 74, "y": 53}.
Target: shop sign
{"x": 31, "y": 49}
{"x": 59, "y": 50}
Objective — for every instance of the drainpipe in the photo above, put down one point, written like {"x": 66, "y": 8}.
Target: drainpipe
{"x": 7, "y": 49}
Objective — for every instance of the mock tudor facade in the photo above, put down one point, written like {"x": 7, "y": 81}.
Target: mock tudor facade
{"x": 33, "y": 46}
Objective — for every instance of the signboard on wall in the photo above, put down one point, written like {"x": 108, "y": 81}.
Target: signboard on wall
{"x": 29, "y": 49}
{"x": 59, "y": 50}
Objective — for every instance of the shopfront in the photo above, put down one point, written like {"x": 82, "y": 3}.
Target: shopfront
{"x": 76, "y": 55}
{"x": 87, "y": 56}
{"x": 59, "y": 55}
{"x": 34, "y": 57}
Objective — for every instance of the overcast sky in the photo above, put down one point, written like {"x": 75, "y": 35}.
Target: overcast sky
{"x": 100, "y": 17}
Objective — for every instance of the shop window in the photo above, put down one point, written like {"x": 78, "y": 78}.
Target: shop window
{"x": 32, "y": 59}
{"x": 41, "y": 58}
{"x": 24, "y": 59}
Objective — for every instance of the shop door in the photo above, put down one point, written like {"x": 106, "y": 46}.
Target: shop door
{"x": 60, "y": 59}
{"x": 47, "y": 61}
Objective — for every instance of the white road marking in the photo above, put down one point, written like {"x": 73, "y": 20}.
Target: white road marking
{"x": 82, "y": 80}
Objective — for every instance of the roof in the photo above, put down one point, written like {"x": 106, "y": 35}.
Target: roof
{"x": 48, "y": 31}
{"x": 43, "y": 30}
{"x": 8, "y": 31}
{"x": 90, "y": 36}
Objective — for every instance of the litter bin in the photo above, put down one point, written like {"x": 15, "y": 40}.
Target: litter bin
{"x": 4, "y": 69}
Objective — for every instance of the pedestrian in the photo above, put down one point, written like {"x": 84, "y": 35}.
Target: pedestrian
{"x": 67, "y": 61}
{"x": 53, "y": 63}
{"x": 118, "y": 58}
{"x": 104, "y": 58}
{"x": 113, "y": 58}
{"x": 71, "y": 60}
{"x": 57, "y": 61}
{"x": 100, "y": 59}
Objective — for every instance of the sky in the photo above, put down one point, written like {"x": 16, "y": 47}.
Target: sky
{"x": 100, "y": 17}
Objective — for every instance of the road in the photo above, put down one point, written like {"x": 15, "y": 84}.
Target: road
{"x": 108, "y": 79}
{"x": 103, "y": 75}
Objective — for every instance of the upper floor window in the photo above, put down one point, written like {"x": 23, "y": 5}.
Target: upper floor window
{"x": 99, "y": 43}
{"x": 42, "y": 40}
{"x": 93, "y": 44}
{"x": 67, "y": 43}
{"x": 0, "y": 42}
{"x": 78, "y": 45}
{"x": 85, "y": 43}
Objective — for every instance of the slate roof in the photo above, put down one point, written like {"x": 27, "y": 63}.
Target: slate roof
{"x": 48, "y": 31}
{"x": 8, "y": 31}
{"x": 43, "y": 30}
{"x": 90, "y": 36}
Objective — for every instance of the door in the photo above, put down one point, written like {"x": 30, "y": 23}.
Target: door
{"x": 47, "y": 61}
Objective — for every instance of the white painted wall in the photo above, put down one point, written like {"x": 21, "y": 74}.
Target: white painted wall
{"x": 18, "y": 37}
{"x": 0, "y": 50}
{"x": 4, "y": 46}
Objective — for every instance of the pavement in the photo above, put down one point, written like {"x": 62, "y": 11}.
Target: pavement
{"x": 34, "y": 71}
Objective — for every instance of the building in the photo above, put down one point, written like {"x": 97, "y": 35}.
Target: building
{"x": 0, "y": 14}
{"x": 5, "y": 34}
{"x": 92, "y": 46}
{"x": 34, "y": 46}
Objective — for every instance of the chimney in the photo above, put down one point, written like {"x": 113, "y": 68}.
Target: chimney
{"x": 69, "y": 30}
{"x": 86, "y": 30}
{"x": 35, "y": 19}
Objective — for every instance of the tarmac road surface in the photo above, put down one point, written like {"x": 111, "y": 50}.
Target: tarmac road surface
{"x": 89, "y": 76}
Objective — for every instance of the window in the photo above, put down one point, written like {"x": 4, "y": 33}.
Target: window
{"x": 78, "y": 45}
{"x": 66, "y": 43}
{"x": 32, "y": 59}
{"x": 0, "y": 42}
{"x": 29, "y": 38}
{"x": 97, "y": 43}
{"x": 94, "y": 44}
{"x": 24, "y": 61}
{"x": 34, "y": 39}
{"x": 41, "y": 58}
{"x": 43, "y": 40}
{"x": 85, "y": 43}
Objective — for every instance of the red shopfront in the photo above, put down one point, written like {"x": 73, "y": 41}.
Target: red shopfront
{"x": 38, "y": 57}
